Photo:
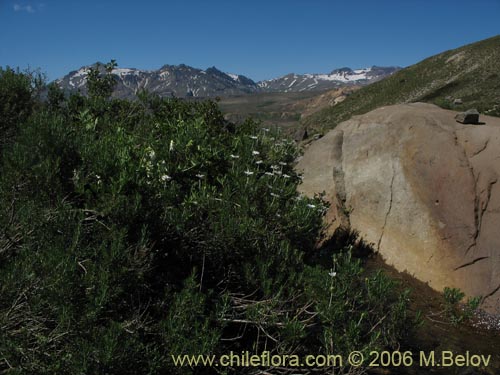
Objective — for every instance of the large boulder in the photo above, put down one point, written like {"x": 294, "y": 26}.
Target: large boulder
{"x": 421, "y": 188}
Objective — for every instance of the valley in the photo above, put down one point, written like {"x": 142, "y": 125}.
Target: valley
{"x": 284, "y": 110}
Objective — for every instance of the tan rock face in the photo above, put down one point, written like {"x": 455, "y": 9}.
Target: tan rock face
{"x": 421, "y": 188}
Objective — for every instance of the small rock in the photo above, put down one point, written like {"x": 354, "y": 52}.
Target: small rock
{"x": 317, "y": 136}
{"x": 468, "y": 117}
{"x": 300, "y": 135}
{"x": 457, "y": 101}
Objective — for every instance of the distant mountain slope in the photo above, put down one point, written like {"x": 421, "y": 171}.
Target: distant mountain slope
{"x": 337, "y": 78}
{"x": 178, "y": 80}
{"x": 470, "y": 73}
{"x": 185, "y": 81}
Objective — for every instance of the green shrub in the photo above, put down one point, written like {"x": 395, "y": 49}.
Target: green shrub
{"x": 357, "y": 312}
{"x": 133, "y": 231}
{"x": 456, "y": 312}
{"x": 16, "y": 101}
{"x": 55, "y": 97}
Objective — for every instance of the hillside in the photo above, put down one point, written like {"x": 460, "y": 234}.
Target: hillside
{"x": 469, "y": 73}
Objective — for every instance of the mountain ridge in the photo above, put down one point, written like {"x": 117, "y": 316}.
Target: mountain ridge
{"x": 185, "y": 81}
{"x": 335, "y": 79}
{"x": 169, "y": 80}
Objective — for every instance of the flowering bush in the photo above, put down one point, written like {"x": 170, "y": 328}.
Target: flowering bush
{"x": 152, "y": 228}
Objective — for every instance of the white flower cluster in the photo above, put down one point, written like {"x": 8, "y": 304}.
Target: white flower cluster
{"x": 155, "y": 167}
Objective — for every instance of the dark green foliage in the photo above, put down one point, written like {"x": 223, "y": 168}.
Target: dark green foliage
{"x": 456, "y": 312}
{"x": 55, "y": 97}
{"x": 100, "y": 84}
{"x": 132, "y": 231}
{"x": 16, "y": 101}
{"x": 359, "y": 326}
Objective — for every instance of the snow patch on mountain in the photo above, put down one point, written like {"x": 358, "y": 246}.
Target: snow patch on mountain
{"x": 125, "y": 71}
{"x": 82, "y": 72}
{"x": 234, "y": 77}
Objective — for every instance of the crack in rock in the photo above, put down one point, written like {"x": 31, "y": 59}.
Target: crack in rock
{"x": 390, "y": 206}
{"x": 470, "y": 263}
{"x": 491, "y": 293}
{"x": 477, "y": 219}
{"x": 481, "y": 149}
{"x": 338, "y": 173}
{"x": 488, "y": 198}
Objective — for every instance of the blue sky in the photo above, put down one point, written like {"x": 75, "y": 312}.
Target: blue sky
{"x": 259, "y": 39}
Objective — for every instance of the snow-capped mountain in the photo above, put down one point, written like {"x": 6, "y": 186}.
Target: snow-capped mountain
{"x": 337, "y": 78}
{"x": 169, "y": 80}
{"x": 185, "y": 81}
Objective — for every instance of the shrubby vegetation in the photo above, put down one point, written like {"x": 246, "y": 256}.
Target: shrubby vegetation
{"x": 456, "y": 312}
{"x": 131, "y": 231}
{"x": 18, "y": 97}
